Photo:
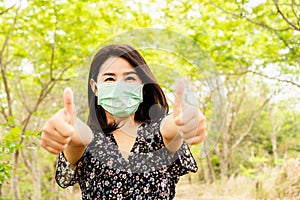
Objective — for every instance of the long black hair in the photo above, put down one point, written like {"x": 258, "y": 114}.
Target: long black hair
{"x": 154, "y": 103}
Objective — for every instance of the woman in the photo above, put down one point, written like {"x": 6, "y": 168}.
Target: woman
{"x": 130, "y": 148}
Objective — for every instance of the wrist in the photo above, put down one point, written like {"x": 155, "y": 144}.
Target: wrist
{"x": 83, "y": 134}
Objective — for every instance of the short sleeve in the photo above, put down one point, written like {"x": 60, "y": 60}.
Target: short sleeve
{"x": 183, "y": 161}
{"x": 65, "y": 174}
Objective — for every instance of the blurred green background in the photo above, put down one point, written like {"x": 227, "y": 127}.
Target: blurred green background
{"x": 254, "y": 45}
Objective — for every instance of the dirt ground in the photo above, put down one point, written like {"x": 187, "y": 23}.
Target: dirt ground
{"x": 187, "y": 191}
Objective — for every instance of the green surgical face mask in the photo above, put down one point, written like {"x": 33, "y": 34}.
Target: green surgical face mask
{"x": 120, "y": 99}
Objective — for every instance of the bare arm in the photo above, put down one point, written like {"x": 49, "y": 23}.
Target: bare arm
{"x": 186, "y": 123}
{"x": 64, "y": 132}
{"x": 80, "y": 139}
{"x": 170, "y": 131}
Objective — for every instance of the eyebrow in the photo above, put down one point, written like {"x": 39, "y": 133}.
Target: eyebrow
{"x": 130, "y": 72}
{"x": 113, "y": 74}
{"x": 108, "y": 74}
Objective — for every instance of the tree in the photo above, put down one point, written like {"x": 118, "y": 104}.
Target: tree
{"x": 47, "y": 45}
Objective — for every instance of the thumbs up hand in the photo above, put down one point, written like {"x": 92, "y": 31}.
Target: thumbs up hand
{"x": 191, "y": 122}
{"x": 69, "y": 111}
{"x": 59, "y": 129}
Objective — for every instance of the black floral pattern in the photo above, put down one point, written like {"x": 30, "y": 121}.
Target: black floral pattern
{"x": 150, "y": 172}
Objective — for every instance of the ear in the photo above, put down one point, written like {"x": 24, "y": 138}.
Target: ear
{"x": 93, "y": 85}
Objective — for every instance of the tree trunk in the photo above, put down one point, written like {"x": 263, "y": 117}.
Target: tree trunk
{"x": 275, "y": 130}
{"x": 34, "y": 171}
{"x": 211, "y": 169}
{"x": 54, "y": 189}
{"x": 15, "y": 178}
{"x": 223, "y": 155}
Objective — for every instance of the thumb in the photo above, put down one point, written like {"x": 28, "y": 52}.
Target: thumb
{"x": 178, "y": 102}
{"x": 68, "y": 104}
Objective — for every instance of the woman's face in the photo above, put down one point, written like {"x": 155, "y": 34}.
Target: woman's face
{"x": 117, "y": 69}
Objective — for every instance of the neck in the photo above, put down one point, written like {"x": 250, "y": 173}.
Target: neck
{"x": 128, "y": 125}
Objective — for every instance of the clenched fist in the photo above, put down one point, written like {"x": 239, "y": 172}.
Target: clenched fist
{"x": 65, "y": 132}
{"x": 59, "y": 129}
{"x": 191, "y": 122}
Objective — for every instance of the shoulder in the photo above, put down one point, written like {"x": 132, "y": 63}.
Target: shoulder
{"x": 150, "y": 133}
{"x": 154, "y": 123}
{"x": 152, "y": 127}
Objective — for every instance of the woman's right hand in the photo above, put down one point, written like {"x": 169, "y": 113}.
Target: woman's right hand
{"x": 59, "y": 130}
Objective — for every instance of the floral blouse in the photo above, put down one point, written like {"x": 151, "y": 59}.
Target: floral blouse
{"x": 150, "y": 172}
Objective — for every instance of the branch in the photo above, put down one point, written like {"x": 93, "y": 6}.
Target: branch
{"x": 21, "y": 93}
{"x": 236, "y": 111}
{"x": 254, "y": 116}
{"x": 294, "y": 12}
{"x": 266, "y": 76}
{"x": 5, "y": 11}
{"x": 47, "y": 88}
{"x": 275, "y": 78}
{"x": 292, "y": 49}
{"x": 284, "y": 17}
{"x": 4, "y": 77}
{"x": 3, "y": 113}
{"x": 248, "y": 19}
{"x": 54, "y": 42}
{"x": 264, "y": 25}
{"x": 27, "y": 164}
{"x": 52, "y": 58}
{"x": 3, "y": 66}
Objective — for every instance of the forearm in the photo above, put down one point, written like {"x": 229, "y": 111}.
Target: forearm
{"x": 170, "y": 134}
{"x": 81, "y": 138}
{"x": 173, "y": 145}
{"x": 73, "y": 154}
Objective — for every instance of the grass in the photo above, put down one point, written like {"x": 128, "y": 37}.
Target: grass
{"x": 278, "y": 183}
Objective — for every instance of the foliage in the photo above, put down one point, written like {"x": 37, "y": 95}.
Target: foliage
{"x": 47, "y": 45}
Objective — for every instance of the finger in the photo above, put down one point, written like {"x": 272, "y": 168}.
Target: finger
{"x": 56, "y": 137}
{"x": 198, "y": 119}
{"x": 68, "y": 103}
{"x": 187, "y": 115}
{"x": 195, "y": 140}
{"x": 179, "y": 90}
{"x": 193, "y": 130}
{"x": 58, "y": 124}
{"x": 189, "y": 131}
{"x": 46, "y": 143}
{"x": 51, "y": 145}
{"x": 53, "y": 150}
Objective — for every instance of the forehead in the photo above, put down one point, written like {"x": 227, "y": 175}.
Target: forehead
{"x": 116, "y": 65}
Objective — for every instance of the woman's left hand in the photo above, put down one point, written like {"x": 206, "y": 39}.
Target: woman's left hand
{"x": 191, "y": 122}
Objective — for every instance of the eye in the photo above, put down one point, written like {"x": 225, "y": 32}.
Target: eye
{"x": 109, "y": 79}
{"x": 130, "y": 78}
